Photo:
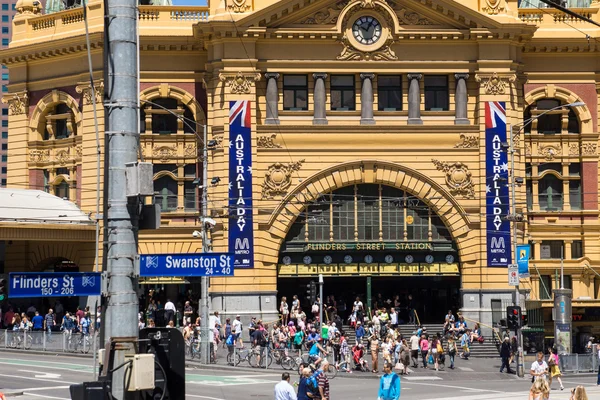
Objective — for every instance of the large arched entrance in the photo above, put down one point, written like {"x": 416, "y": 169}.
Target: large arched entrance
{"x": 376, "y": 242}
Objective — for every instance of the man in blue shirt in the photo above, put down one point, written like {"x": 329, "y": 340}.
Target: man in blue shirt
{"x": 360, "y": 332}
{"x": 38, "y": 326}
{"x": 315, "y": 351}
{"x": 313, "y": 337}
{"x": 389, "y": 385}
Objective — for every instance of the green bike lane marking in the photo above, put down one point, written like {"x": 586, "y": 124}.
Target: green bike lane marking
{"x": 48, "y": 365}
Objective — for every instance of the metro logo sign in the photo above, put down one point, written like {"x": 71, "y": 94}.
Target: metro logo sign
{"x": 496, "y": 188}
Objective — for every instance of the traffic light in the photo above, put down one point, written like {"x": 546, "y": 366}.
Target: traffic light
{"x": 523, "y": 320}
{"x": 513, "y": 317}
{"x": 3, "y": 290}
{"x": 313, "y": 292}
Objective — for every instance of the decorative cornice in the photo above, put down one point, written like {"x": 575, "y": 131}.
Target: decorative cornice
{"x": 589, "y": 149}
{"x": 326, "y": 17}
{"x": 458, "y": 178}
{"x": 551, "y": 151}
{"x": 384, "y": 53}
{"x": 494, "y": 83}
{"x": 18, "y": 103}
{"x": 86, "y": 90}
{"x": 468, "y": 142}
{"x": 267, "y": 141}
{"x": 240, "y": 82}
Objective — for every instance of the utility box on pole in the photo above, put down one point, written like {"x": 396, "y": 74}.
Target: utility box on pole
{"x": 563, "y": 320}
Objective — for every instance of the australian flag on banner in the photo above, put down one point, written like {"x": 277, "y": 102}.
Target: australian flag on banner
{"x": 496, "y": 186}
{"x": 241, "y": 230}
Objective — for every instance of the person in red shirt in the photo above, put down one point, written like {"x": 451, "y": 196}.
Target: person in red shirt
{"x": 8, "y": 317}
{"x": 79, "y": 314}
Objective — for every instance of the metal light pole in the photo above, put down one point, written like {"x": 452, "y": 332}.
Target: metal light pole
{"x": 322, "y": 303}
{"x": 513, "y": 208}
{"x": 204, "y": 329}
{"x": 121, "y": 145}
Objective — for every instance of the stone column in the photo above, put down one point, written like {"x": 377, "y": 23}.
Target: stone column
{"x": 460, "y": 99}
{"x": 414, "y": 99}
{"x": 320, "y": 115}
{"x": 366, "y": 99}
{"x": 272, "y": 96}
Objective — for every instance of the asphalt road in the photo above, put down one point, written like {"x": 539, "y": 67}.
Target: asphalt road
{"x": 48, "y": 376}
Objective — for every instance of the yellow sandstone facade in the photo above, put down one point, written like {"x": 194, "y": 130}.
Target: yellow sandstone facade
{"x": 368, "y": 134}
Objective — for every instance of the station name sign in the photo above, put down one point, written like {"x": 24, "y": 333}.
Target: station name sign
{"x": 370, "y": 246}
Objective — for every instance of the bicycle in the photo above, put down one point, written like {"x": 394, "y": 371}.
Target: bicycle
{"x": 282, "y": 358}
{"x": 20, "y": 339}
{"x": 265, "y": 357}
{"x": 196, "y": 350}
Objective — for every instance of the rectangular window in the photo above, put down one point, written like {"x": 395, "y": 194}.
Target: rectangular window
{"x": 545, "y": 287}
{"x": 576, "y": 249}
{"x": 4, "y": 182}
{"x": 575, "y": 194}
{"x": 437, "y": 96}
{"x": 5, "y": 18}
{"x": 529, "y": 193}
{"x": 4, "y": 158}
{"x": 4, "y": 6}
{"x": 191, "y": 191}
{"x": 4, "y": 146}
{"x": 5, "y": 30}
{"x": 551, "y": 249}
{"x": 189, "y": 170}
{"x": 4, "y": 111}
{"x": 4, "y": 135}
{"x": 5, "y": 123}
{"x": 5, "y": 41}
{"x": 4, "y": 170}
{"x": 295, "y": 92}
{"x": 342, "y": 93}
{"x": 389, "y": 93}
{"x": 567, "y": 280}
{"x": 5, "y": 76}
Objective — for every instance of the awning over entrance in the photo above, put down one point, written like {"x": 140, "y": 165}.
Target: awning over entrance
{"x": 39, "y": 216}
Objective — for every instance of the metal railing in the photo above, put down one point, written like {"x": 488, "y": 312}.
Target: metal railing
{"x": 577, "y": 363}
{"x": 57, "y": 341}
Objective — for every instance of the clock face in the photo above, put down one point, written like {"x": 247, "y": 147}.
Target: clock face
{"x": 449, "y": 259}
{"x": 287, "y": 260}
{"x": 389, "y": 259}
{"x": 307, "y": 259}
{"x": 368, "y": 259}
{"x": 409, "y": 259}
{"x": 429, "y": 258}
{"x": 366, "y": 30}
{"x": 348, "y": 259}
{"x": 327, "y": 259}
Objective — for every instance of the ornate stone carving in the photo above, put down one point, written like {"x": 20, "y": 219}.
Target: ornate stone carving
{"x": 278, "y": 179}
{"x": 384, "y": 53}
{"x": 458, "y": 178}
{"x": 190, "y": 150}
{"x": 493, "y": 7}
{"x": 329, "y": 16}
{"x": 239, "y": 6}
{"x": 86, "y": 91}
{"x": 550, "y": 151}
{"x": 407, "y": 17}
{"x": 367, "y": 4}
{"x": 164, "y": 153}
{"x": 79, "y": 152}
{"x": 18, "y": 103}
{"x": 493, "y": 83}
{"x": 267, "y": 141}
{"x": 468, "y": 142}
{"x": 240, "y": 83}
{"x": 62, "y": 157}
{"x": 573, "y": 149}
{"x": 527, "y": 149}
{"x": 589, "y": 149}
{"x": 218, "y": 139}
{"x": 39, "y": 155}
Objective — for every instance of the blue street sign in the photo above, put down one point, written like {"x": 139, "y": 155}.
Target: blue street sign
{"x": 194, "y": 264}
{"x": 54, "y": 284}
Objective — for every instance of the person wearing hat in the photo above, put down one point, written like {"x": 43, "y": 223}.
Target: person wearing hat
{"x": 414, "y": 349}
{"x": 505, "y": 350}
{"x": 360, "y": 332}
{"x": 237, "y": 330}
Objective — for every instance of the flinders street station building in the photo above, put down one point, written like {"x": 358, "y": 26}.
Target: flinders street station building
{"x": 375, "y": 142}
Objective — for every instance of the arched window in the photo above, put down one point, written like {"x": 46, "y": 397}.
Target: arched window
{"x": 550, "y": 190}
{"x": 561, "y": 120}
{"x": 169, "y": 181}
{"x": 369, "y": 213}
{"x": 558, "y": 186}
{"x": 62, "y": 190}
{"x": 60, "y": 122}
{"x": 165, "y": 189}
{"x": 160, "y": 116}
